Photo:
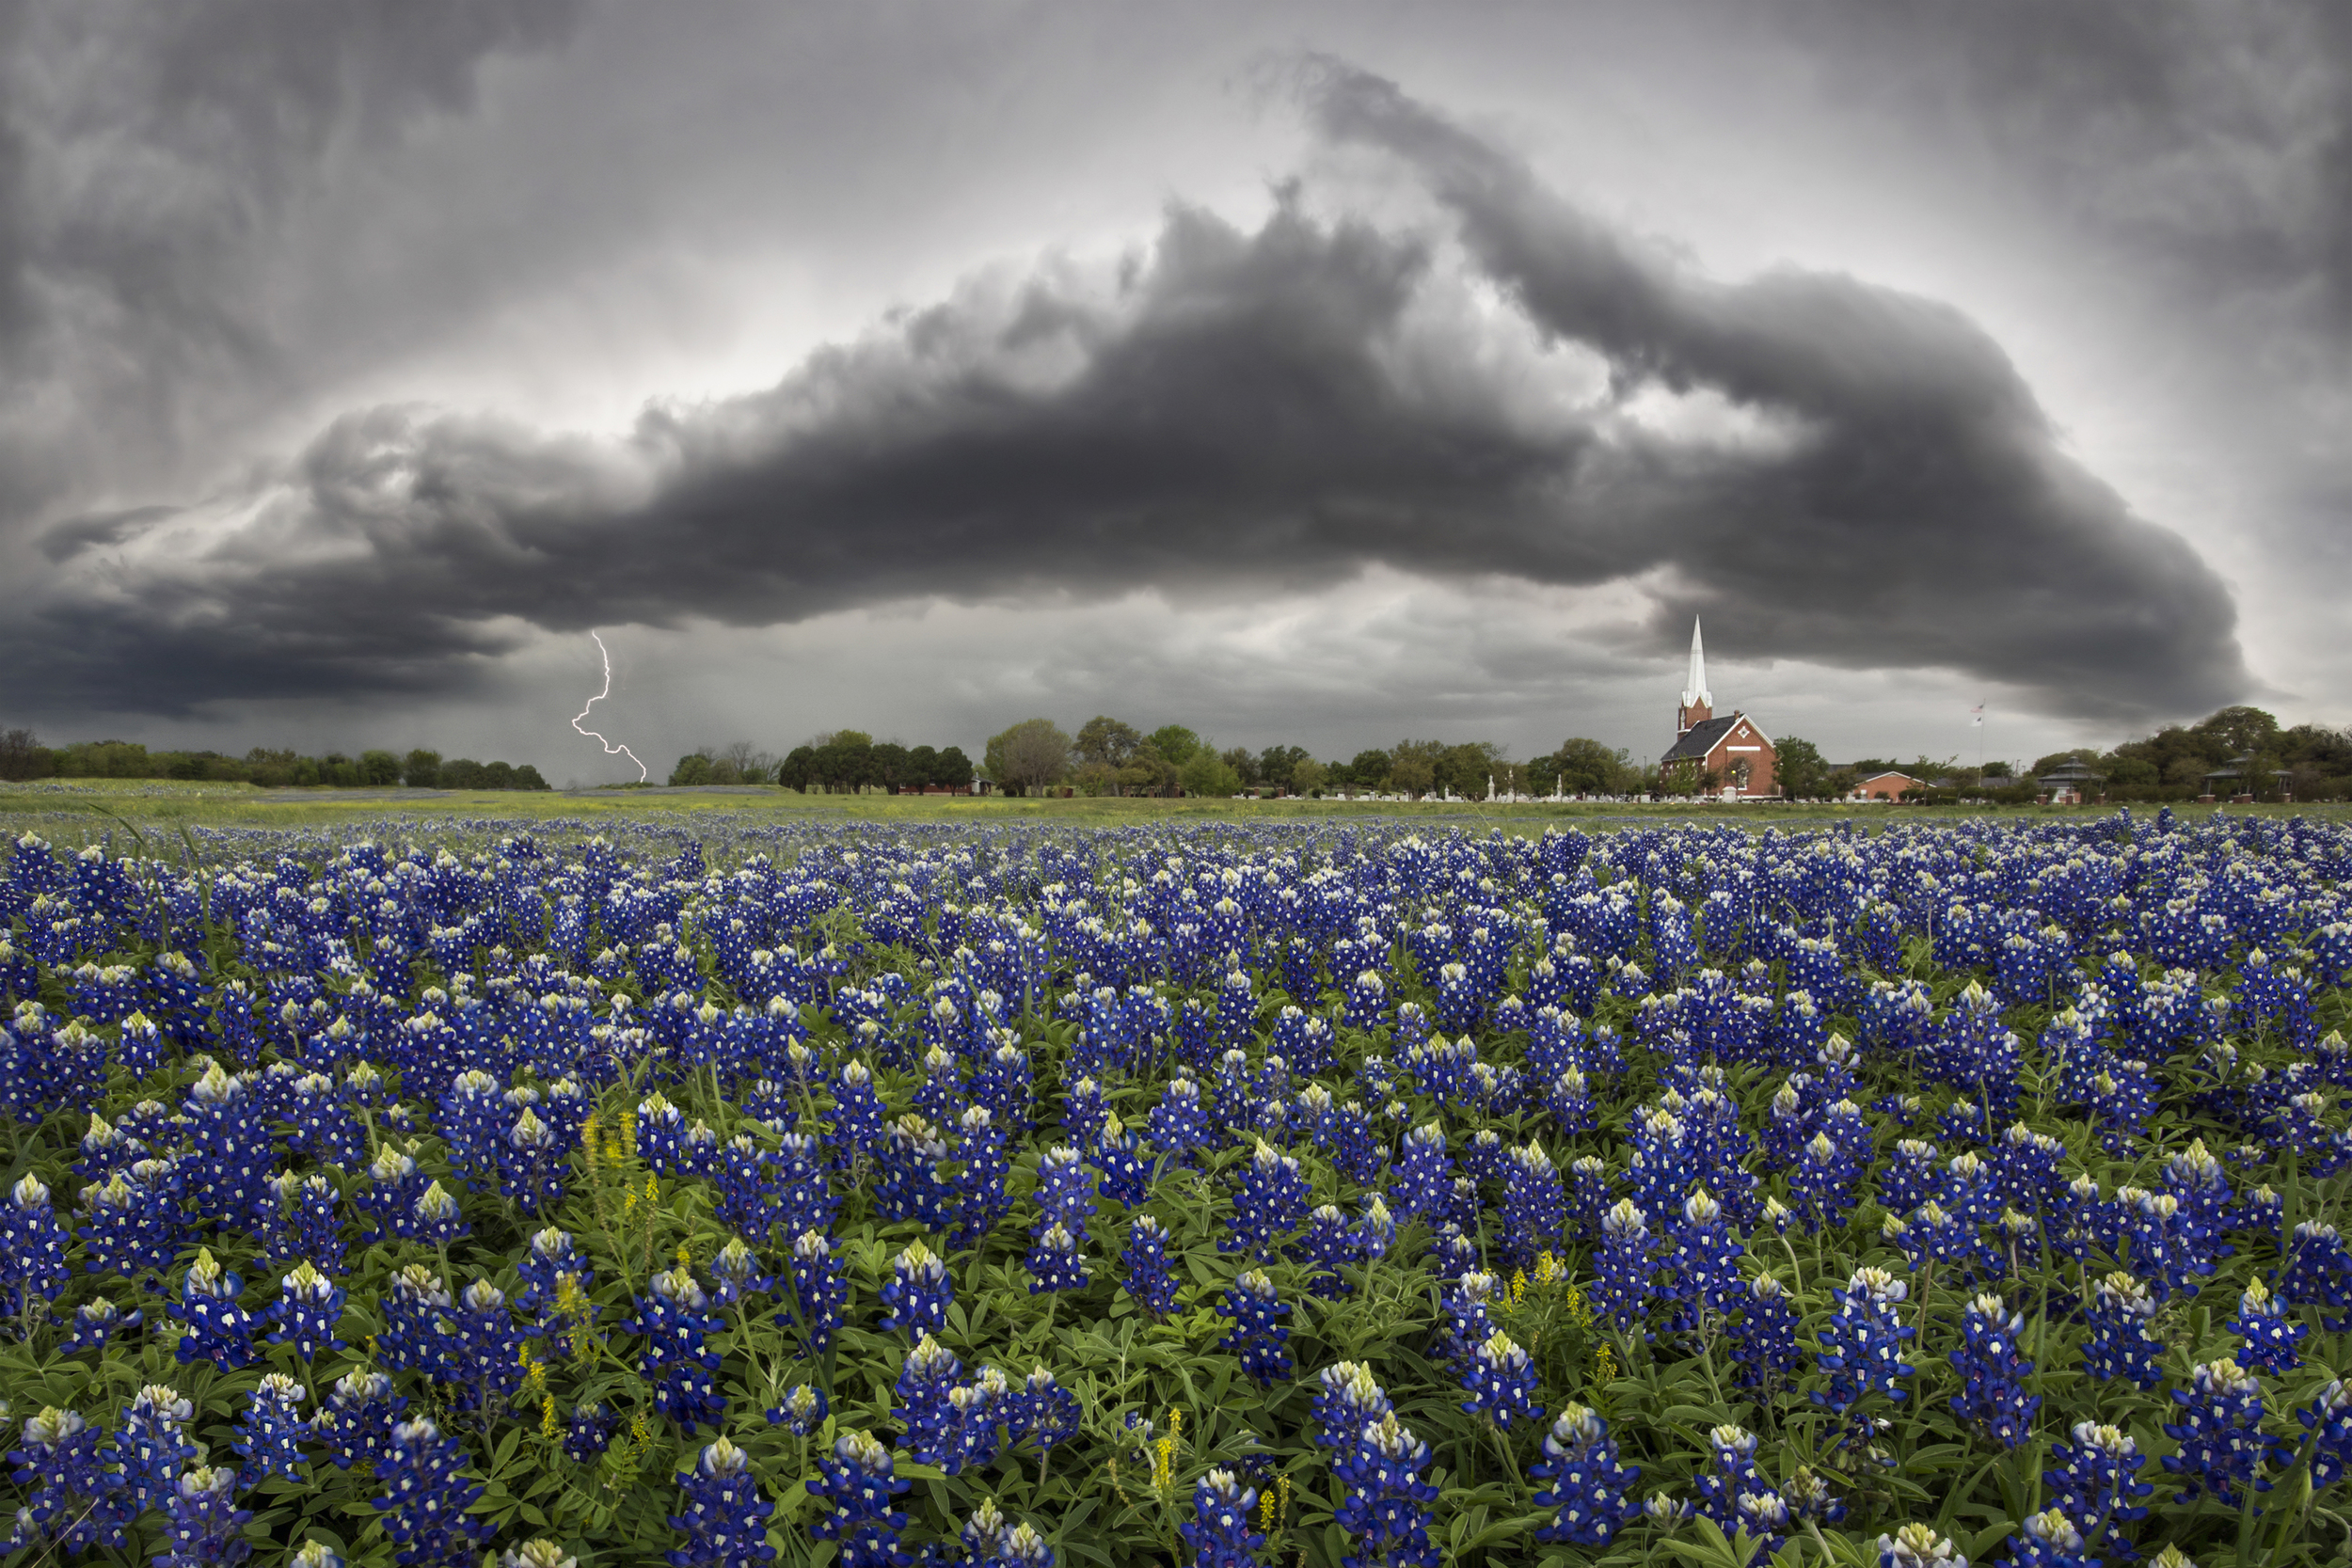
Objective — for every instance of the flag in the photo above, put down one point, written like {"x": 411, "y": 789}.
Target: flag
{"x": 1979, "y": 711}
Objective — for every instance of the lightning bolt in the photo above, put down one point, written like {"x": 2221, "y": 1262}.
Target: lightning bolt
{"x": 610, "y": 750}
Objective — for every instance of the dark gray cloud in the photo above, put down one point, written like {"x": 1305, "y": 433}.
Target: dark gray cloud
{"x": 1230, "y": 414}
{"x": 149, "y": 158}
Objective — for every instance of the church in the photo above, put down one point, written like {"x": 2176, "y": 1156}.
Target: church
{"x": 1732, "y": 756}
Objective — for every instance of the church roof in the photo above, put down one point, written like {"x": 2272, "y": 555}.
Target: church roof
{"x": 1700, "y": 738}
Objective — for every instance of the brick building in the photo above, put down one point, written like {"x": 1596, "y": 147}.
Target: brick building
{"x": 1733, "y": 751}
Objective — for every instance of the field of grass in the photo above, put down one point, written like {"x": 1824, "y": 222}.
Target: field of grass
{"x": 80, "y": 811}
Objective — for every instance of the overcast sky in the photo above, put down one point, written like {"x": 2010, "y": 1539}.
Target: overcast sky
{"x": 1313, "y": 373}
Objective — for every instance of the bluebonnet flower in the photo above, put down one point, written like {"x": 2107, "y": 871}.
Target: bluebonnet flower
{"x": 1534, "y": 1206}
{"x": 984, "y": 1533}
{"x": 2223, "y": 1444}
{"x": 918, "y": 1293}
{"x": 531, "y": 1165}
{"x": 1917, "y": 1546}
{"x": 74, "y": 1496}
{"x": 153, "y": 1446}
{"x": 1822, "y": 1184}
{"x": 2271, "y": 1339}
{"x": 229, "y": 1168}
{"x": 1218, "y": 1532}
{"x": 309, "y": 1226}
{"x": 2170, "y": 1248}
{"x": 1623, "y": 1269}
{"x": 32, "y": 1250}
{"x": 2329, "y": 1419}
{"x": 819, "y": 1287}
{"x": 552, "y": 1257}
{"x": 1861, "y": 1348}
{"x": 1424, "y": 1176}
{"x": 415, "y": 1338}
{"x": 1911, "y": 1177}
{"x": 1024, "y": 1547}
{"x": 1328, "y": 1242}
{"x": 1764, "y": 1335}
{"x": 1705, "y": 1263}
{"x": 915, "y": 1184}
{"x": 395, "y": 1182}
{"x": 1993, "y": 1373}
{"x": 1054, "y": 1261}
{"x": 485, "y": 1349}
{"x": 2120, "y": 1345}
{"x": 1386, "y": 1505}
{"x": 1467, "y": 1324}
{"x": 803, "y": 1410}
{"x": 1588, "y": 1193}
{"x": 736, "y": 1274}
{"x": 1145, "y": 1265}
{"x": 1590, "y": 1493}
{"x": 926, "y": 1379}
{"x": 541, "y": 1553}
{"x": 203, "y": 1523}
{"x": 131, "y": 1226}
{"x": 439, "y": 1219}
{"x": 1270, "y": 1204}
{"x": 214, "y": 1327}
{"x": 2096, "y": 1481}
{"x": 1375, "y": 1228}
{"x": 1347, "y": 1401}
{"x": 1734, "y": 1477}
{"x": 981, "y": 1183}
{"x": 470, "y": 1125}
{"x": 1179, "y": 1122}
{"x": 1501, "y": 1381}
{"x": 726, "y": 1522}
{"x": 589, "y": 1432}
{"x": 94, "y": 1323}
{"x": 1044, "y": 1412}
{"x": 2318, "y": 1272}
{"x": 975, "y": 1410}
{"x": 858, "y": 1114}
{"x": 271, "y": 1432}
{"x": 1125, "y": 1173}
{"x": 426, "y": 1498}
{"x": 308, "y": 1307}
{"x": 358, "y": 1421}
{"x": 673, "y": 1318}
{"x": 1256, "y": 1335}
{"x": 2049, "y": 1540}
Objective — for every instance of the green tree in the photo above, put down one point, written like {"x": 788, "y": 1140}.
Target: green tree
{"x": 1106, "y": 742}
{"x": 498, "y": 775}
{"x": 1802, "y": 772}
{"x": 798, "y": 770}
{"x": 2240, "y": 730}
{"x": 462, "y": 773}
{"x": 1413, "y": 765}
{"x": 693, "y": 768}
{"x": 1206, "y": 773}
{"x": 953, "y": 769}
{"x": 379, "y": 768}
{"x": 1278, "y": 765}
{"x": 23, "y": 755}
{"x": 1369, "y": 769}
{"x": 1175, "y": 743}
{"x": 845, "y": 760}
{"x": 894, "y": 767}
{"x": 1245, "y": 767}
{"x": 527, "y": 776}
{"x": 1308, "y": 776}
{"x": 1029, "y": 755}
{"x": 1465, "y": 769}
{"x": 421, "y": 769}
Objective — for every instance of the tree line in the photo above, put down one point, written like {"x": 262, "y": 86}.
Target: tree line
{"x": 23, "y": 758}
{"x": 1110, "y": 756}
{"x": 843, "y": 762}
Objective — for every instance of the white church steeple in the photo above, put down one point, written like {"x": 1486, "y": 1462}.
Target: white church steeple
{"x": 1698, "y": 704}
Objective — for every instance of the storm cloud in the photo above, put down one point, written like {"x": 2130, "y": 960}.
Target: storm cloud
{"x": 1841, "y": 472}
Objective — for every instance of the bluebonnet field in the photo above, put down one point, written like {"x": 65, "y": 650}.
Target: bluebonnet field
{"x": 1202, "y": 1194}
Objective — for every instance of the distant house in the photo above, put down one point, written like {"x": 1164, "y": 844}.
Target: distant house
{"x": 1734, "y": 749}
{"x": 2069, "y": 784}
{"x": 1888, "y": 785}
